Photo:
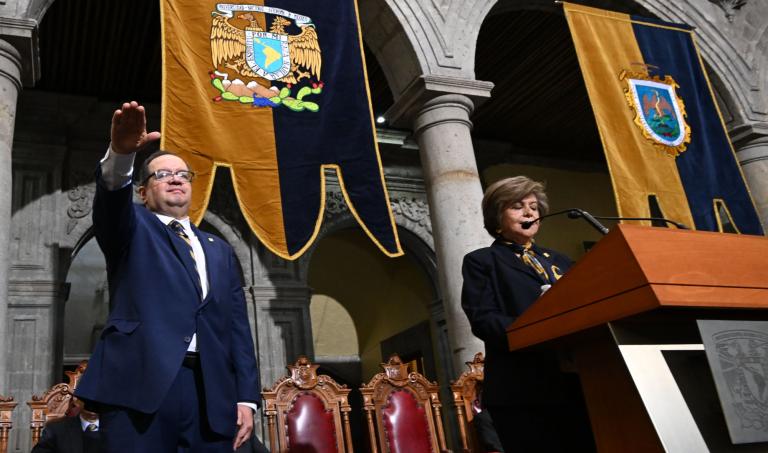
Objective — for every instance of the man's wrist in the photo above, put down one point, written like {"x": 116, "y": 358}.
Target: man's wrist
{"x": 117, "y": 169}
{"x": 253, "y": 406}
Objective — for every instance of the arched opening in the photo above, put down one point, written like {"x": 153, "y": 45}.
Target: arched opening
{"x": 384, "y": 297}
{"x": 88, "y": 304}
{"x": 87, "y": 307}
{"x": 364, "y": 307}
{"x": 334, "y": 335}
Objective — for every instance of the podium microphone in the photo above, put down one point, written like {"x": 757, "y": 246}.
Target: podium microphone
{"x": 575, "y": 213}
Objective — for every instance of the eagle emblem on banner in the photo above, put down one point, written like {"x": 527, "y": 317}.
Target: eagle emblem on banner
{"x": 247, "y": 58}
{"x": 659, "y": 111}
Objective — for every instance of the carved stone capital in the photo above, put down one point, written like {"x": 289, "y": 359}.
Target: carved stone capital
{"x": 20, "y": 34}
{"x": 410, "y": 213}
{"x": 427, "y": 87}
{"x": 745, "y": 134}
{"x": 334, "y": 204}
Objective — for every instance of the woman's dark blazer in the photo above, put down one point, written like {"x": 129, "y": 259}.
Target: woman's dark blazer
{"x": 499, "y": 287}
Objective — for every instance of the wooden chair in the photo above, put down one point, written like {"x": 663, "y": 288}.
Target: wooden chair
{"x": 464, "y": 391}
{"x": 306, "y": 412}
{"x": 7, "y": 405}
{"x": 55, "y": 402}
{"x": 404, "y": 410}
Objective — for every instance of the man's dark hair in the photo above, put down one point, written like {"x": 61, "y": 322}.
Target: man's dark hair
{"x": 144, "y": 173}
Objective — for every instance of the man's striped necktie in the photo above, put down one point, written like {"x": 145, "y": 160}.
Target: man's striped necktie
{"x": 178, "y": 228}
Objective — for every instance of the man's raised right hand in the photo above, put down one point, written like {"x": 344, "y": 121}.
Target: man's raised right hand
{"x": 129, "y": 129}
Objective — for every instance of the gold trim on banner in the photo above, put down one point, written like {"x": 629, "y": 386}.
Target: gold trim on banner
{"x": 725, "y": 129}
{"x": 376, "y": 147}
{"x": 604, "y": 47}
{"x": 621, "y": 17}
{"x": 721, "y": 202}
{"x": 203, "y": 159}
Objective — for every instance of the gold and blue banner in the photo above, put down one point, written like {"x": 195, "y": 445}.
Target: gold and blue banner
{"x": 666, "y": 145}
{"x": 275, "y": 90}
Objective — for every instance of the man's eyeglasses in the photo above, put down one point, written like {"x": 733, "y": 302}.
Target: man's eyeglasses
{"x": 167, "y": 175}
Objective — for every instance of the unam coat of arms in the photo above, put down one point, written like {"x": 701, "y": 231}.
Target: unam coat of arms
{"x": 247, "y": 59}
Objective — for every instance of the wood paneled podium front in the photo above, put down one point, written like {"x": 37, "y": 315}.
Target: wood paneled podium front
{"x": 626, "y": 314}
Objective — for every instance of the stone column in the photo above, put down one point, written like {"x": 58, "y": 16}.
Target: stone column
{"x": 751, "y": 145}
{"x": 442, "y": 129}
{"x": 10, "y": 86}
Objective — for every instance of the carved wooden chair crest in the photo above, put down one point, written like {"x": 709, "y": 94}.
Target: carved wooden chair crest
{"x": 404, "y": 410}
{"x": 465, "y": 390}
{"x": 7, "y": 405}
{"x": 55, "y": 402}
{"x": 308, "y": 412}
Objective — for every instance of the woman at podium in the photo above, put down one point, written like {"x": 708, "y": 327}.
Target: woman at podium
{"x": 534, "y": 405}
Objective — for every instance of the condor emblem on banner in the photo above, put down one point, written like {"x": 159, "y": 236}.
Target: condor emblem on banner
{"x": 250, "y": 57}
{"x": 659, "y": 112}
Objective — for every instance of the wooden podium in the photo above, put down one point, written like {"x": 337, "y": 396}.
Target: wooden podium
{"x": 626, "y": 315}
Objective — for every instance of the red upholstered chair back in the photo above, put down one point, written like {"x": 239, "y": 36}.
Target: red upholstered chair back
{"x": 403, "y": 411}
{"x": 405, "y": 423}
{"x": 465, "y": 392}
{"x": 309, "y": 426}
{"x": 307, "y": 412}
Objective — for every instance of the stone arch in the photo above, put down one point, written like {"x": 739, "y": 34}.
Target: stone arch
{"x": 761, "y": 65}
{"x": 75, "y": 222}
{"x": 412, "y": 218}
{"x": 234, "y": 238}
{"x": 36, "y": 9}
{"x": 87, "y": 303}
{"x": 415, "y": 229}
{"x": 411, "y": 215}
{"x": 416, "y": 38}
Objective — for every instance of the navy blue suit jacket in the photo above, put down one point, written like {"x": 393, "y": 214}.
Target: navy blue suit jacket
{"x": 65, "y": 436}
{"x": 498, "y": 287}
{"x": 156, "y": 308}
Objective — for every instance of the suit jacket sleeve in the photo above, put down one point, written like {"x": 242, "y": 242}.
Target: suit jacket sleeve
{"x": 113, "y": 218}
{"x": 243, "y": 354}
{"x": 480, "y": 302}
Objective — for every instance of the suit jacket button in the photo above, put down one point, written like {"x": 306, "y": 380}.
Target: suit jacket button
{"x": 187, "y": 339}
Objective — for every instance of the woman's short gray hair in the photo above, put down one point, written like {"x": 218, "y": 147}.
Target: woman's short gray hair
{"x": 509, "y": 190}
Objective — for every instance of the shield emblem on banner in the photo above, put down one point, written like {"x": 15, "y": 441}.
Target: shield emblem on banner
{"x": 267, "y": 54}
{"x": 659, "y": 112}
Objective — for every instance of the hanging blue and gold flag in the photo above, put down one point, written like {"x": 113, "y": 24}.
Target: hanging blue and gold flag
{"x": 275, "y": 90}
{"x": 666, "y": 145}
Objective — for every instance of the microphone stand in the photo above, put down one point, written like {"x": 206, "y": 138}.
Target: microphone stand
{"x": 677, "y": 225}
{"x": 575, "y": 213}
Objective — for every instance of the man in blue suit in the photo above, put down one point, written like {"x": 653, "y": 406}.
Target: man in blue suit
{"x": 175, "y": 368}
